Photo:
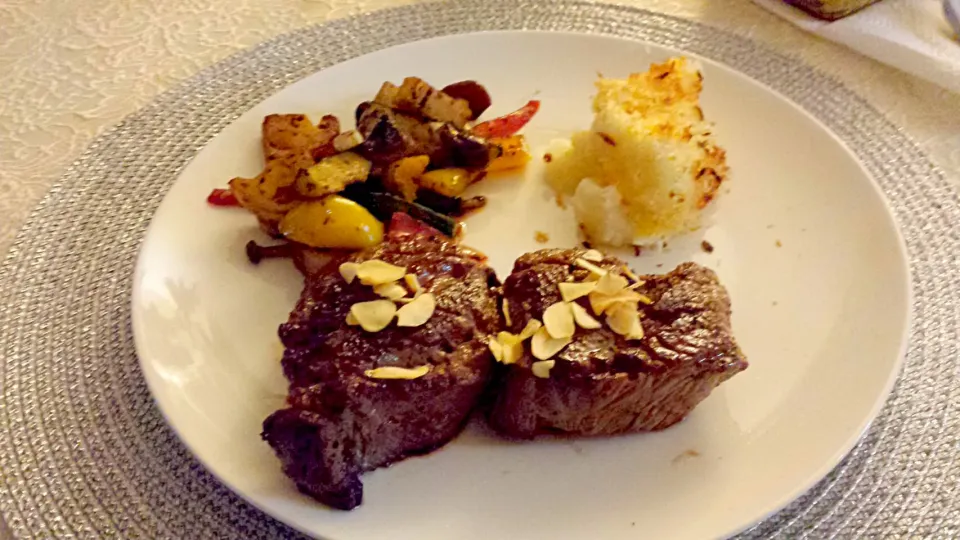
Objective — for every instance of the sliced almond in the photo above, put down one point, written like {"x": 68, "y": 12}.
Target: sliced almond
{"x": 542, "y": 346}
{"x": 593, "y": 255}
{"x": 637, "y": 332}
{"x": 558, "y": 320}
{"x": 376, "y": 272}
{"x": 507, "y": 338}
{"x": 610, "y": 284}
{"x": 571, "y": 291}
{"x": 390, "y": 291}
{"x": 621, "y": 317}
{"x": 393, "y": 372}
{"x": 624, "y": 319}
{"x": 530, "y": 329}
{"x": 600, "y": 303}
{"x": 413, "y": 283}
{"x": 584, "y": 319}
{"x": 418, "y": 311}
{"x": 495, "y": 348}
{"x": 375, "y": 315}
{"x": 512, "y": 353}
{"x": 351, "y": 320}
{"x": 595, "y": 271}
{"x": 512, "y": 347}
{"x": 542, "y": 368}
{"x": 506, "y": 313}
{"x": 348, "y": 271}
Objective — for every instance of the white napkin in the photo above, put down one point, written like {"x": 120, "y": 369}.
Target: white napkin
{"x": 912, "y": 35}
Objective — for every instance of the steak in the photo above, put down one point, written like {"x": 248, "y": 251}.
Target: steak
{"x": 338, "y": 422}
{"x": 602, "y": 383}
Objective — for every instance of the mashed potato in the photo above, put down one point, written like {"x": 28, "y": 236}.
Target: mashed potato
{"x": 648, "y": 166}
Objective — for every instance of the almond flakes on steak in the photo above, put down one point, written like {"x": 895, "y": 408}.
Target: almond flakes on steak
{"x": 340, "y": 421}
{"x": 601, "y": 383}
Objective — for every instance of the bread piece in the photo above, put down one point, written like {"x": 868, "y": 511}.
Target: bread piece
{"x": 648, "y": 165}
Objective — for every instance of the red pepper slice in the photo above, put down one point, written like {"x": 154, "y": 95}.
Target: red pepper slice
{"x": 402, "y": 224}
{"x": 222, "y": 197}
{"x": 507, "y": 124}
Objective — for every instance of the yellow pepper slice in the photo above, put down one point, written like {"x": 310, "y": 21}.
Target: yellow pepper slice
{"x": 332, "y": 222}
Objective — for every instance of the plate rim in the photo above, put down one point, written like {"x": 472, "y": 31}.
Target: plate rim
{"x": 814, "y": 478}
{"x": 27, "y": 514}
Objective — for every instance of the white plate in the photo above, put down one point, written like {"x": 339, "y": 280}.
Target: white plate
{"x": 804, "y": 242}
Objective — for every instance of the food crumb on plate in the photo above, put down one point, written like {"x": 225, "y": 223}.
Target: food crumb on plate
{"x": 541, "y": 237}
{"x": 548, "y": 157}
{"x": 779, "y": 243}
{"x": 707, "y": 246}
{"x": 685, "y": 455}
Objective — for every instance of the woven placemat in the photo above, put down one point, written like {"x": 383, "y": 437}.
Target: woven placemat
{"x": 84, "y": 452}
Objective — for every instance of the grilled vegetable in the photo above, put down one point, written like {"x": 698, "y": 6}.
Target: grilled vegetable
{"x": 471, "y": 204}
{"x": 417, "y": 97}
{"x": 333, "y": 174}
{"x": 270, "y": 194}
{"x": 403, "y": 176}
{"x": 256, "y": 252}
{"x": 347, "y": 140}
{"x": 464, "y": 149}
{"x": 359, "y": 111}
{"x": 332, "y": 222}
{"x": 402, "y": 224}
{"x": 222, "y": 197}
{"x": 286, "y": 134}
{"x": 369, "y": 115}
{"x": 449, "y": 206}
{"x": 508, "y": 124}
{"x": 448, "y": 182}
{"x": 473, "y": 93}
{"x": 384, "y": 205}
{"x": 383, "y": 141}
{"x": 513, "y": 154}
{"x": 252, "y": 198}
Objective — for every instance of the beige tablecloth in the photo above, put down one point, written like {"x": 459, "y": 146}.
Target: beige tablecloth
{"x": 69, "y": 70}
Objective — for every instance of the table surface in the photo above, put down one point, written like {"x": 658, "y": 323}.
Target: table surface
{"x": 70, "y": 70}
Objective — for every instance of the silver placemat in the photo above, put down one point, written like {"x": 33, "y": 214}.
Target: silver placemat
{"x": 84, "y": 452}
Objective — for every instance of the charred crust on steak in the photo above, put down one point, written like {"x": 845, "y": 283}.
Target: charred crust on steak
{"x": 603, "y": 383}
{"x": 338, "y": 423}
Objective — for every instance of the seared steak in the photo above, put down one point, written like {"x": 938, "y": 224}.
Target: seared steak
{"x": 602, "y": 383}
{"x": 339, "y": 422}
